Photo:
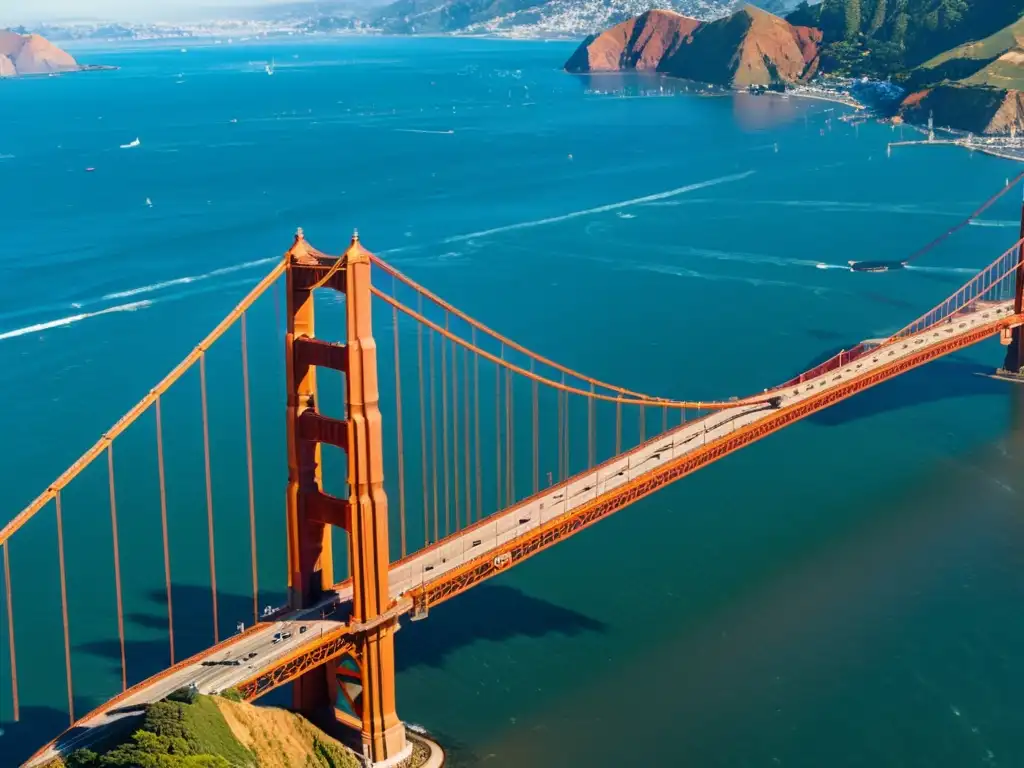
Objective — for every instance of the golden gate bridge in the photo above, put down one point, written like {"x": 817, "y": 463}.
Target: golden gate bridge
{"x": 455, "y": 505}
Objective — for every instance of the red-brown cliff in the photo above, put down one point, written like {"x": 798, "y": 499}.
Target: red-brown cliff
{"x": 975, "y": 109}
{"x": 750, "y": 47}
{"x": 32, "y": 55}
{"x": 640, "y": 43}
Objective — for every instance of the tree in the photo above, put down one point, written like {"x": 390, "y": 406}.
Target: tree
{"x": 878, "y": 19}
{"x": 851, "y": 28}
{"x": 899, "y": 30}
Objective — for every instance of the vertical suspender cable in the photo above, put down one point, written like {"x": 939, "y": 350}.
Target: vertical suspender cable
{"x": 433, "y": 431}
{"x": 591, "y": 447}
{"x": 643, "y": 423}
{"x": 10, "y": 633}
{"x": 209, "y": 496}
{"x": 64, "y": 609}
{"x": 497, "y": 431}
{"x": 444, "y": 430}
{"x": 560, "y": 396}
{"x": 618, "y": 427}
{"x": 568, "y": 424}
{"x": 249, "y": 468}
{"x": 163, "y": 525}
{"x": 398, "y": 421}
{"x": 117, "y": 564}
{"x": 423, "y": 430}
{"x": 664, "y": 419}
{"x": 465, "y": 429}
{"x": 476, "y": 429}
{"x": 509, "y": 443}
{"x": 536, "y": 438}
{"x": 456, "y": 433}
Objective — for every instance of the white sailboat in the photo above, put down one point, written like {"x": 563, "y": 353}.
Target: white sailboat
{"x": 270, "y": 67}
{"x": 131, "y": 144}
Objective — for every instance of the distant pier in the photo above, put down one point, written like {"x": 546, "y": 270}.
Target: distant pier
{"x": 997, "y": 150}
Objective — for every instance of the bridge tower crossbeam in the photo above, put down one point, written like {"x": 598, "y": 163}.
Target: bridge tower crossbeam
{"x": 311, "y": 512}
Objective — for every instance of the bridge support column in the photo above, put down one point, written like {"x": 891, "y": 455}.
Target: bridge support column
{"x": 383, "y": 734}
{"x": 310, "y": 561}
{"x": 1015, "y": 352}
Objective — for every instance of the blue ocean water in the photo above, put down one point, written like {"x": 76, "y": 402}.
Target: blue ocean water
{"x": 845, "y": 593}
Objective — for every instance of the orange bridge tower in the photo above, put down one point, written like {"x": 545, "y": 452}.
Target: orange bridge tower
{"x": 364, "y": 515}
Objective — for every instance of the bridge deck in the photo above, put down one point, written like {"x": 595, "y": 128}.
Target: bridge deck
{"x": 492, "y": 534}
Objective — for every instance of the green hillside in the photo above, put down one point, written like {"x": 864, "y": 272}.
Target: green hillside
{"x": 989, "y": 48}
{"x": 192, "y": 731}
{"x": 996, "y": 61}
{"x": 883, "y": 37}
{"x": 1006, "y": 72}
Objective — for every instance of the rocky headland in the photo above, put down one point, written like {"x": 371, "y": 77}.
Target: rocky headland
{"x": 966, "y": 80}
{"x": 748, "y": 48}
{"x": 32, "y": 55}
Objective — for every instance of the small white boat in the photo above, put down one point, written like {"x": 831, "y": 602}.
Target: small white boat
{"x": 131, "y": 144}
{"x": 149, "y": 202}
{"x": 269, "y": 68}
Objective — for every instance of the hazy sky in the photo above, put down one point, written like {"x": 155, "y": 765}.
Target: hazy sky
{"x": 33, "y": 10}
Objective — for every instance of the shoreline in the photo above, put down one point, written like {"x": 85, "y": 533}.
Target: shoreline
{"x": 846, "y": 102}
{"x": 61, "y": 73}
{"x": 1003, "y": 153}
{"x": 725, "y": 90}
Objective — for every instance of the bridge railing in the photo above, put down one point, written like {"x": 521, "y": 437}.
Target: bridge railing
{"x": 996, "y": 282}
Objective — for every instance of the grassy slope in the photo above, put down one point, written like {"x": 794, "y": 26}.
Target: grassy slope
{"x": 1006, "y": 72}
{"x": 989, "y": 48}
{"x": 995, "y": 61}
{"x": 213, "y": 732}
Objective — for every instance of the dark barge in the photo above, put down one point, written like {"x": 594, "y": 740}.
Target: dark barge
{"x": 876, "y": 266}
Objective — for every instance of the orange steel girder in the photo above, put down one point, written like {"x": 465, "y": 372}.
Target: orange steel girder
{"x": 459, "y": 580}
{"x": 330, "y": 647}
{"x": 501, "y": 559}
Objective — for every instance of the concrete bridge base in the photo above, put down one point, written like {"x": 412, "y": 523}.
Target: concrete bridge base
{"x": 436, "y": 757}
{"x": 419, "y": 752}
{"x": 1004, "y": 375}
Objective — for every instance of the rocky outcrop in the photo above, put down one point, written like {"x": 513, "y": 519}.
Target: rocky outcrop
{"x": 32, "y": 55}
{"x": 978, "y": 109}
{"x": 641, "y": 43}
{"x": 750, "y": 47}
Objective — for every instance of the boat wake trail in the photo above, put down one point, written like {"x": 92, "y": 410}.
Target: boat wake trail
{"x": 993, "y": 223}
{"x": 70, "y": 319}
{"x": 943, "y": 270}
{"x": 187, "y": 279}
{"x": 449, "y": 132}
{"x": 602, "y": 208}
